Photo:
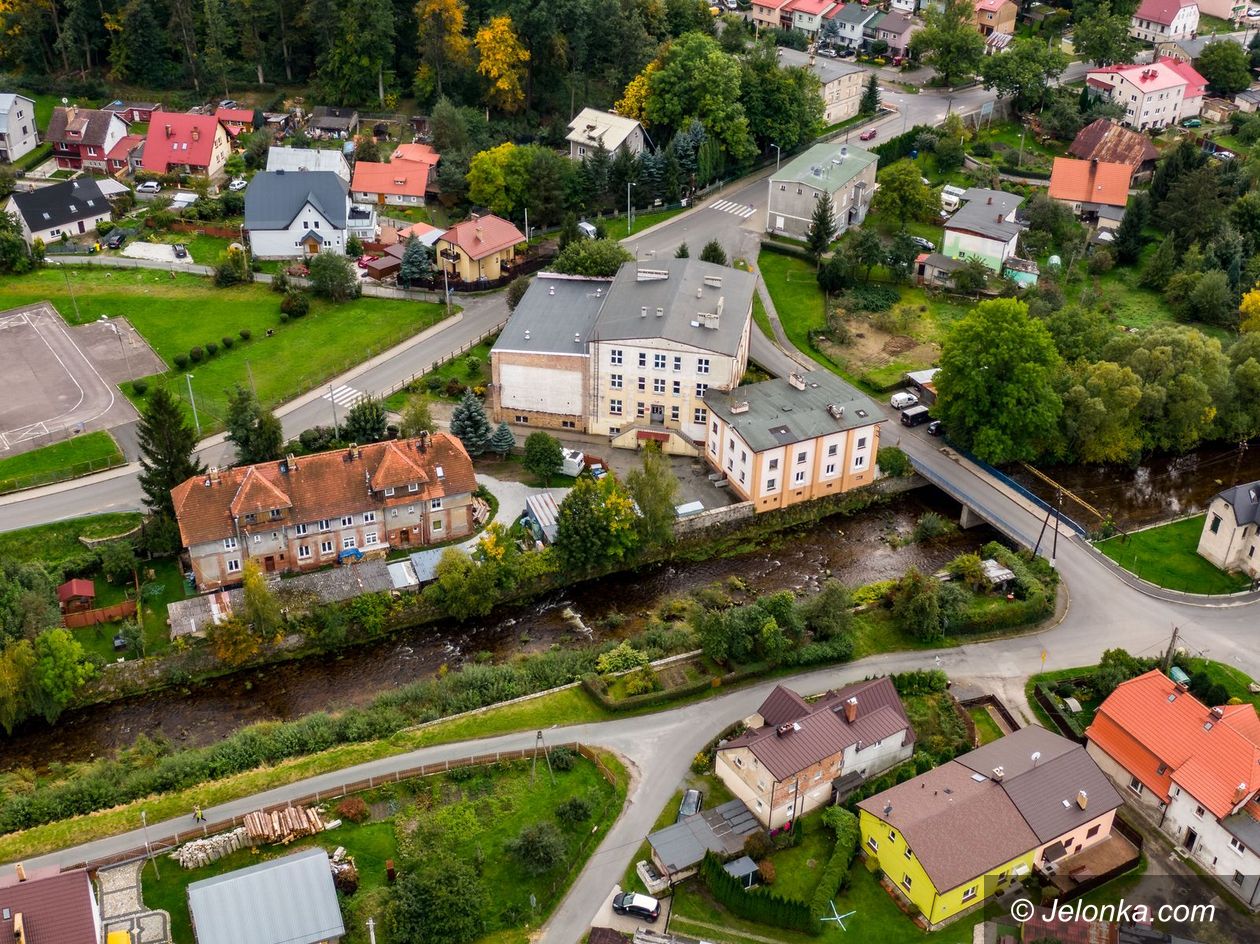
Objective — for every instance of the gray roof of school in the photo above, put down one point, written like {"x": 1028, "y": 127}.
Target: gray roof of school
{"x": 827, "y": 69}
{"x": 778, "y": 414}
{"x": 290, "y": 900}
{"x": 682, "y": 297}
{"x": 815, "y": 168}
{"x": 981, "y": 211}
{"x": 274, "y": 198}
{"x": 552, "y": 311}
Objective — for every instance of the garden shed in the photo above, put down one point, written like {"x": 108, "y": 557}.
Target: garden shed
{"x": 76, "y": 595}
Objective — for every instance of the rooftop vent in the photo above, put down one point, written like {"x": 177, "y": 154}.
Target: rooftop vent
{"x": 998, "y": 773}
{"x": 887, "y": 808}
{"x": 836, "y": 411}
{"x": 796, "y": 381}
{"x": 713, "y": 281}
{"x": 551, "y": 290}
{"x": 1218, "y": 712}
{"x": 643, "y": 312}
{"x": 1082, "y": 799}
{"x": 650, "y": 275}
{"x": 788, "y": 727}
{"x": 577, "y": 337}
{"x": 527, "y": 334}
{"x": 660, "y": 312}
{"x": 740, "y": 407}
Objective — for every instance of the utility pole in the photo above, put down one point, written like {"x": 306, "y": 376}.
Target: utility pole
{"x": 333, "y": 401}
{"x": 629, "y": 221}
{"x": 1058, "y": 518}
{"x": 70, "y": 288}
{"x": 193, "y": 401}
{"x": 540, "y": 743}
{"x": 1172, "y": 651}
{"x": 250, "y": 371}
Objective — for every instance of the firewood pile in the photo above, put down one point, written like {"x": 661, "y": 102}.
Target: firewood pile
{"x": 199, "y": 852}
{"x": 283, "y": 825}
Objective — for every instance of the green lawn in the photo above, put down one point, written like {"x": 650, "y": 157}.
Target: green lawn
{"x": 793, "y": 287}
{"x": 204, "y": 250}
{"x": 455, "y": 369}
{"x": 52, "y": 544}
{"x": 986, "y": 728}
{"x": 1167, "y": 556}
{"x": 82, "y": 455}
{"x": 797, "y": 869}
{"x": 616, "y": 226}
{"x": 760, "y": 318}
{"x": 1234, "y": 681}
{"x": 168, "y": 580}
{"x": 177, "y": 313}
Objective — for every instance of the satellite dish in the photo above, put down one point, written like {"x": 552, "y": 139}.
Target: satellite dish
{"x": 64, "y": 100}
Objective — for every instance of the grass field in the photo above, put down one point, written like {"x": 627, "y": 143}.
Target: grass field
{"x": 168, "y": 580}
{"x": 798, "y": 300}
{"x": 178, "y": 313}
{"x": 82, "y": 455}
{"x": 986, "y": 728}
{"x": 1167, "y": 555}
{"x": 456, "y": 369}
{"x": 54, "y": 543}
{"x": 616, "y": 227}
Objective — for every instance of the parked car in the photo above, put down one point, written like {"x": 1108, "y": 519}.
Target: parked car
{"x": 1253, "y": 13}
{"x": 828, "y": 52}
{"x": 181, "y": 251}
{"x": 116, "y": 239}
{"x": 902, "y": 400}
{"x": 935, "y": 428}
{"x": 366, "y": 258}
{"x": 228, "y": 103}
{"x": 914, "y": 415}
{"x": 732, "y": 4}
{"x": 1191, "y": 123}
{"x": 641, "y": 906}
{"x": 149, "y": 186}
{"x": 1225, "y": 155}
{"x": 848, "y": 52}
{"x": 868, "y": 134}
{"x": 923, "y": 243}
{"x": 691, "y": 804}
{"x": 238, "y": 185}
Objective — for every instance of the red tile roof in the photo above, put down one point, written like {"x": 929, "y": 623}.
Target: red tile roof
{"x": 481, "y": 236}
{"x": 403, "y": 178}
{"x": 324, "y": 485}
{"x": 1161, "y": 11}
{"x": 420, "y": 153}
{"x": 1210, "y": 756}
{"x": 1090, "y": 181}
{"x": 1047, "y": 927}
{"x": 78, "y": 587}
{"x": 56, "y": 907}
{"x": 1196, "y": 85}
{"x": 1155, "y": 77}
{"x": 176, "y": 138}
{"x": 235, "y": 116}
{"x": 126, "y": 144}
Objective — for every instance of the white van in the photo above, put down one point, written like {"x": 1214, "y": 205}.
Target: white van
{"x": 951, "y": 197}
{"x": 902, "y": 400}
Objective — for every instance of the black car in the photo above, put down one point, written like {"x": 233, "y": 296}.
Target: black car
{"x": 935, "y": 428}
{"x": 641, "y": 906}
{"x": 181, "y": 251}
{"x": 116, "y": 239}
{"x": 692, "y": 802}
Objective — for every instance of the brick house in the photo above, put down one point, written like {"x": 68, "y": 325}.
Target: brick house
{"x": 799, "y": 755}
{"x": 305, "y": 513}
{"x": 83, "y": 137}
{"x": 48, "y": 905}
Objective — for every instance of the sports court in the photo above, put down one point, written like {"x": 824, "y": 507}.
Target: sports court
{"x": 53, "y": 385}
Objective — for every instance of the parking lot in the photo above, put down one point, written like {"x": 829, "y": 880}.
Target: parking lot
{"x": 607, "y": 918}
{"x": 155, "y": 252}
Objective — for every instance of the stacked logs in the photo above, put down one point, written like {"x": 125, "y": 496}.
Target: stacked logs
{"x": 283, "y": 825}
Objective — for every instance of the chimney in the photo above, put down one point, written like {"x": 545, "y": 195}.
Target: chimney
{"x": 784, "y": 729}
{"x": 997, "y": 218}
{"x": 577, "y": 337}
{"x": 844, "y": 151}
{"x": 353, "y": 450}
{"x": 1218, "y": 712}
{"x": 1082, "y": 799}
{"x": 999, "y": 773}
{"x": 290, "y": 462}
{"x": 989, "y": 200}
{"x": 699, "y": 291}
{"x": 168, "y": 131}
{"x": 19, "y": 929}
{"x": 643, "y": 313}
{"x": 196, "y": 133}
{"x": 21, "y": 872}
{"x": 796, "y": 381}
{"x": 850, "y": 710}
{"x": 1240, "y": 793}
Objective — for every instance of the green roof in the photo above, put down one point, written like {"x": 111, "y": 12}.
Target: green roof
{"x": 815, "y": 167}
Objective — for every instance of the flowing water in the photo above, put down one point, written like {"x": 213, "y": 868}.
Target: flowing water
{"x": 855, "y": 550}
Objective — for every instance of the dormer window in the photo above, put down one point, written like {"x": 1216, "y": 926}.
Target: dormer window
{"x": 389, "y": 491}
{"x": 413, "y": 487}
{"x": 275, "y": 513}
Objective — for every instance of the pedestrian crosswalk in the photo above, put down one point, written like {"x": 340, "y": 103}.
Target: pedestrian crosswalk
{"x": 743, "y": 211}
{"x": 344, "y": 396}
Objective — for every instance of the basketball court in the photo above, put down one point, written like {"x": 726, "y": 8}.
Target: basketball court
{"x": 54, "y": 385}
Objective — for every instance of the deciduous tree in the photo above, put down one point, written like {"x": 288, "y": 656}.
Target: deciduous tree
{"x": 260, "y": 608}
{"x": 1024, "y": 72}
{"x": 592, "y": 257}
{"x": 1226, "y": 66}
{"x": 1100, "y": 419}
{"x": 417, "y": 417}
{"x": 28, "y": 600}
{"x": 17, "y": 682}
{"x": 949, "y": 41}
{"x": 596, "y": 525}
{"x": 654, "y": 488}
{"x": 696, "y": 79}
{"x": 1103, "y": 37}
{"x": 903, "y": 195}
{"x": 442, "y": 42}
{"x": 502, "y": 61}
{"x": 61, "y": 669}
{"x": 441, "y": 901}
{"x": 333, "y": 277}
{"x": 544, "y": 457}
{"x": 254, "y": 431}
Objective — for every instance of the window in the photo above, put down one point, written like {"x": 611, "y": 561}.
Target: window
{"x": 907, "y": 853}
{"x": 435, "y": 504}
{"x": 739, "y": 762}
{"x": 715, "y": 427}
{"x": 614, "y": 430}
{"x": 658, "y": 385}
{"x": 389, "y": 492}
{"x": 1136, "y": 786}
{"x": 730, "y": 445}
{"x": 861, "y": 442}
{"x": 800, "y": 458}
{"x": 229, "y": 544}
{"x": 347, "y": 520}
{"x": 642, "y": 359}
{"x": 348, "y": 541}
{"x": 771, "y": 484}
{"x": 642, "y": 383}
{"x": 258, "y": 539}
{"x": 324, "y": 524}
{"x": 639, "y": 409}
{"x": 741, "y": 476}
{"x": 872, "y": 843}
{"x": 658, "y": 361}
{"x": 325, "y": 547}
{"x": 369, "y": 517}
{"x": 677, "y": 362}
{"x": 678, "y": 388}
{"x": 300, "y": 529}
{"x": 798, "y": 478}
{"x": 519, "y": 419}
{"x": 892, "y": 835}
{"x": 700, "y": 417}
{"x": 1238, "y": 879}
{"x": 415, "y": 486}
{"x": 369, "y": 537}
{"x": 436, "y": 525}
{"x": 673, "y": 413}
{"x": 1198, "y": 812}
{"x": 233, "y": 565}
{"x": 905, "y": 882}
{"x": 833, "y": 450}
{"x": 614, "y": 407}
{"x": 702, "y": 365}
{"x": 568, "y": 424}
{"x": 774, "y": 464}
{"x": 831, "y": 468}
{"x": 859, "y": 461}
{"x": 614, "y": 356}
{"x": 1216, "y": 524}
{"x": 276, "y": 513}
{"x": 743, "y": 455}
{"x": 614, "y": 381}
{"x": 969, "y": 893}
{"x": 304, "y": 551}
{"x": 1237, "y": 845}
{"x": 701, "y": 390}
{"x": 1093, "y": 831}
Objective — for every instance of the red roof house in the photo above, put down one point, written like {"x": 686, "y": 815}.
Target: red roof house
{"x": 48, "y": 906}
{"x": 187, "y": 144}
{"x": 236, "y": 120}
{"x": 1082, "y": 183}
{"x": 76, "y": 594}
{"x": 398, "y": 183}
{"x": 120, "y": 156}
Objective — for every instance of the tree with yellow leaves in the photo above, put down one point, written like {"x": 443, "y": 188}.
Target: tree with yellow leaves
{"x": 442, "y": 39}
{"x": 502, "y": 61}
{"x": 634, "y": 99}
{"x": 1249, "y": 310}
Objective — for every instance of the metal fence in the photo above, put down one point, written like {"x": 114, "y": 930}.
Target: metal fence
{"x": 17, "y": 483}
{"x": 1022, "y": 490}
{"x": 463, "y": 349}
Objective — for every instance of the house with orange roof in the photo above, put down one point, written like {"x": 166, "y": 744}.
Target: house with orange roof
{"x": 482, "y": 248}
{"x": 124, "y": 157}
{"x": 236, "y": 121}
{"x": 996, "y": 16}
{"x": 1097, "y": 191}
{"x": 1192, "y": 769}
{"x": 300, "y": 514}
{"x": 179, "y": 143}
{"x": 401, "y": 182}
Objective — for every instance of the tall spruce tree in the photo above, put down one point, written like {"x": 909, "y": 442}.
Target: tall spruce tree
{"x": 1129, "y": 238}
{"x": 167, "y": 442}
{"x": 822, "y": 227}
{"x": 416, "y": 264}
{"x": 503, "y": 441}
{"x": 470, "y": 425}
{"x": 870, "y": 97}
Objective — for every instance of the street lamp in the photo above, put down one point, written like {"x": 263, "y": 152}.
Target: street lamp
{"x": 193, "y": 401}
{"x": 70, "y": 289}
{"x": 905, "y": 115}
{"x": 333, "y": 401}
{"x": 121, "y": 343}
{"x": 148, "y": 850}
{"x": 629, "y": 184}
{"x": 777, "y": 155}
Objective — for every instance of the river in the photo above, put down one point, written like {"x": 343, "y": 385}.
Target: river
{"x": 855, "y": 550}
{"x": 1159, "y": 488}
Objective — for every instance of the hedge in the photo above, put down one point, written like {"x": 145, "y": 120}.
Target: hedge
{"x": 1014, "y": 614}
{"x": 784, "y": 249}
{"x": 594, "y": 686}
{"x": 894, "y": 149}
{"x": 756, "y": 904}
{"x": 845, "y": 825}
{"x": 920, "y": 682}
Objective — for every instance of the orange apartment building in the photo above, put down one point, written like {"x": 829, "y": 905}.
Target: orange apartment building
{"x": 791, "y": 440}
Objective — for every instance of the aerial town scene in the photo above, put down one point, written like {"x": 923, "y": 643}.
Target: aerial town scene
{"x": 629, "y": 472}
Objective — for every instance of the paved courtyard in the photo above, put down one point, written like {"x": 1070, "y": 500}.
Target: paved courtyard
{"x": 122, "y": 906}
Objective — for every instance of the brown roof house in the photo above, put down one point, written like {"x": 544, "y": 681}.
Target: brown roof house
{"x": 304, "y": 513}
{"x": 48, "y": 906}
{"x": 799, "y": 755}
{"x": 1105, "y": 140}
{"x": 82, "y": 138}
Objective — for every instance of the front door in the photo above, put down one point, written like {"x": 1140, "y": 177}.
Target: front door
{"x": 658, "y": 414}
{"x": 312, "y": 247}
{"x": 269, "y": 563}
{"x": 404, "y": 536}
{"x": 1191, "y": 838}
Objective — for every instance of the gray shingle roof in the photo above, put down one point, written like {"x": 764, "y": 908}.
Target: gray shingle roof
{"x": 555, "y": 308}
{"x": 274, "y": 198}
{"x": 290, "y": 900}
{"x": 980, "y": 214}
{"x": 778, "y": 414}
{"x": 827, "y": 69}
{"x": 1245, "y": 500}
{"x": 854, "y": 14}
{"x": 62, "y": 203}
{"x": 1046, "y": 797}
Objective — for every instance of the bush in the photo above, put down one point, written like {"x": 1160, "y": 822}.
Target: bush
{"x": 758, "y": 845}
{"x": 211, "y": 349}
{"x": 245, "y": 334}
{"x": 561, "y": 758}
{"x": 284, "y": 318}
{"x": 701, "y": 763}
{"x": 353, "y": 808}
{"x": 878, "y": 592}
{"x": 139, "y": 387}
{"x": 969, "y": 569}
{"x": 227, "y": 342}
{"x": 621, "y": 658}
{"x": 641, "y": 681}
{"x": 845, "y": 826}
{"x": 280, "y": 283}
{"x": 982, "y": 149}
{"x": 920, "y": 682}
{"x": 766, "y": 869}
{"x": 455, "y": 388}
{"x": 539, "y": 847}
{"x": 433, "y": 383}
{"x": 870, "y": 298}
{"x": 1101, "y": 261}
{"x": 181, "y": 361}
{"x": 931, "y": 526}
{"x": 295, "y": 304}
{"x": 573, "y": 811}
{"x": 197, "y": 355}
{"x": 892, "y": 461}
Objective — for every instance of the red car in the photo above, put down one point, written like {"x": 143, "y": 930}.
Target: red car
{"x": 365, "y": 259}
{"x": 867, "y": 135}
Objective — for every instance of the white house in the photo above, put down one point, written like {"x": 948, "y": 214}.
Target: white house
{"x": 1231, "y": 531}
{"x": 1153, "y": 96}
{"x": 302, "y": 213}
{"x": 593, "y": 129}
{"x": 841, "y": 82}
{"x": 852, "y": 20}
{"x": 1162, "y": 21}
{"x": 330, "y": 159}
{"x": 807, "y": 15}
{"x": 71, "y": 208}
{"x": 18, "y": 134}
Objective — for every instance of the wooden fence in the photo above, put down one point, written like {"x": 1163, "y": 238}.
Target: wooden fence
{"x": 104, "y": 614}
{"x": 206, "y": 229}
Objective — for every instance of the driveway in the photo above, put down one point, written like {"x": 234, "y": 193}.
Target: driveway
{"x": 155, "y": 252}
{"x": 607, "y": 918}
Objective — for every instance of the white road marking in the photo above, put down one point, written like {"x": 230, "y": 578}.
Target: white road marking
{"x": 742, "y": 210}
{"x": 345, "y": 396}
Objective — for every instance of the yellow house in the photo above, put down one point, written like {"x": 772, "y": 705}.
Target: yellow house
{"x": 953, "y": 836}
{"x": 480, "y": 248}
